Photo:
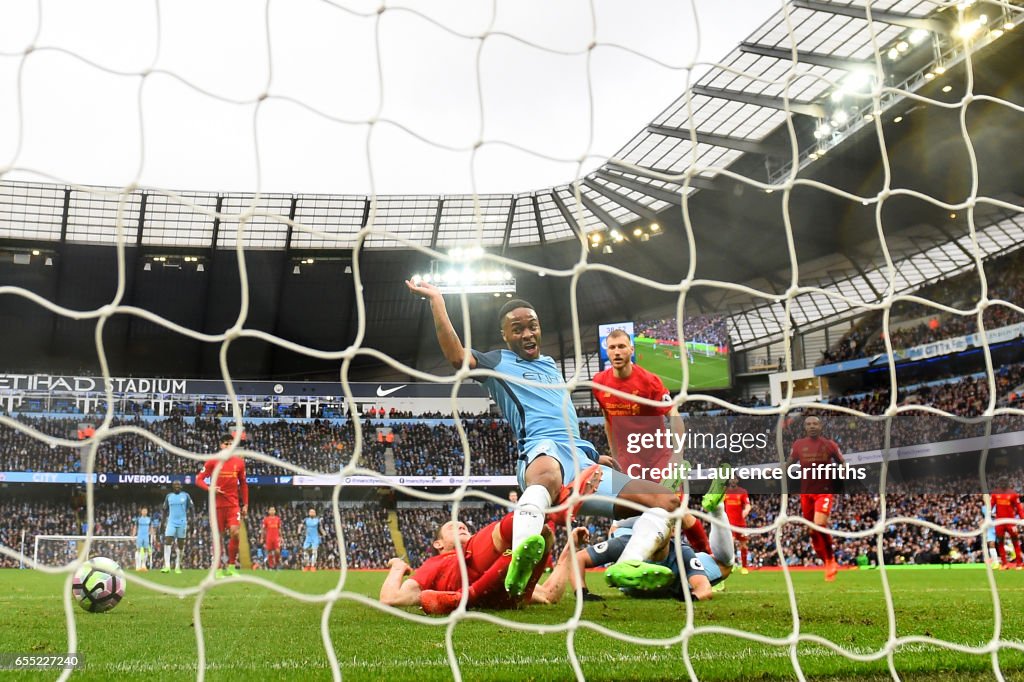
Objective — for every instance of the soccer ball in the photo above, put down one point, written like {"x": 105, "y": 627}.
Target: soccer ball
{"x": 98, "y": 585}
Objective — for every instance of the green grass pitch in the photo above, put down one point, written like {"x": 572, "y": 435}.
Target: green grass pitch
{"x": 705, "y": 372}
{"x": 253, "y": 633}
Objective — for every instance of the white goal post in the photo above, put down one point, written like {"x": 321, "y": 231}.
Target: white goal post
{"x": 100, "y": 545}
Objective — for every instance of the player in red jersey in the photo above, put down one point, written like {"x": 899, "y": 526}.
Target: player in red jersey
{"x": 623, "y": 417}
{"x": 737, "y": 507}
{"x": 230, "y": 488}
{"x": 436, "y": 586}
{"x": 272, "y": 538}
{"x": 812, "y": 453}
{"x": 1006, "y": 505}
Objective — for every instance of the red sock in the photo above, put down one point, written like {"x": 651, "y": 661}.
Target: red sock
{"x": 232, "y": 551}
{"x": 271, "y": 561}
{"x": 491, "y": 582}
{"x": 1016, "y": 548}
{"x": 819, "y": 547}
{"x": 698, "y": 537}
{"x": 505, "y": 528}
{"x": 826, "y": 543}
{"x": 743, "y": 556}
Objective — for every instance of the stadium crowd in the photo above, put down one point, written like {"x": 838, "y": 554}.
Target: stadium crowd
{"x": 435, "y": 449}
{"x": 912, "y": 324}
{"x": 368, "y": 541}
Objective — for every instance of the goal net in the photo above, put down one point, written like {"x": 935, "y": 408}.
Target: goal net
{"x": 65, "y": 550}
{"x": 765, "y": 114}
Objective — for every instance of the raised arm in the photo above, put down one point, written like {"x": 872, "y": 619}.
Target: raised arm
{"x": 451, "y": 345}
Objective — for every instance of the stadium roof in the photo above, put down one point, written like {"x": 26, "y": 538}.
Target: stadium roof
{"x": 804, "y": 78}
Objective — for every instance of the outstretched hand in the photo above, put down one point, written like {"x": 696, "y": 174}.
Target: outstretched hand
{"x": 424, "y": 289}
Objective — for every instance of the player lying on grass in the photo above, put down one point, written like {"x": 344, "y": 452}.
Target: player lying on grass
{"x": 436, "y": 586}
{"x": 551, "y": 449}
{"x": 702, "y": 570}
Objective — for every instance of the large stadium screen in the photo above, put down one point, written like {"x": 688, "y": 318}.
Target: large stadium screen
{"x": 706, "y": 350}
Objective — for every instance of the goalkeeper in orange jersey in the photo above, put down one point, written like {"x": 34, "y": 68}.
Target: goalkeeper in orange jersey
{"x": 1006, "y": 505}
{"x": 230, "y": 488}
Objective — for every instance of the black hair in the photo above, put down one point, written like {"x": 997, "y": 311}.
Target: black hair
{"x": 512, "y": 305}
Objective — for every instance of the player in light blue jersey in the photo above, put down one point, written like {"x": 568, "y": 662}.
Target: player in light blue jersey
{"x": 143, "y": 531}
{"x": 178, "y": 509}
{"x": 311, "y": 526}
{"x": 551, "y": 451}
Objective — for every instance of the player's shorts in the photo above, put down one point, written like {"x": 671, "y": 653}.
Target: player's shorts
{"x": 274, "y": 544}
{"x": 738, "y": 523}
{"x": 612, "y": 481}
{"x": 311, "y": 543}
{"x": 176, "y": 530}
{"x": 694, "y": 564}
{"x": 1003, "y": 529}
{"x": 480, "y": 551}
{"x": 813, "y": 504}
{"x": 228, "y": 517}
{"x": 990, "y": 535}
{"x": 142, "y": 543}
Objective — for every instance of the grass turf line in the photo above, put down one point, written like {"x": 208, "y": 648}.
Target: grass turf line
{"x": 253, "y": 633}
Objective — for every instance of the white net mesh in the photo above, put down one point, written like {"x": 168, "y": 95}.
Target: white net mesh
{"x": 672, "y": 167}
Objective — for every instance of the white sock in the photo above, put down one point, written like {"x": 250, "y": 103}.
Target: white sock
{"x": 177, "y": 557}
{"x": 720, "y": 539}
{"x": 529, "y": 514}
{"x": 994, "y": 554}
{"x": 312, "y": 557}
{"x": 167, "y": 555}
{"x": 649, "y": 533}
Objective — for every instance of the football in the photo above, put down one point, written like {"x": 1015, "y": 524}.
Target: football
{"x": 98, "y": 585}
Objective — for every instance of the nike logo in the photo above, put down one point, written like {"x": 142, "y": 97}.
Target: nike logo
{"x": 381, "y": 392}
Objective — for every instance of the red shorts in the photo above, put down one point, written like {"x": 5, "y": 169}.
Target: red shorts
{"x": 1002, "y": 530}
{"x": 228, "y": 517}
{"x": 738, "y": 523}
{"x": 812, "y": 504}
{"x": 273, "y": 544}
{"x": 480, "y": 551}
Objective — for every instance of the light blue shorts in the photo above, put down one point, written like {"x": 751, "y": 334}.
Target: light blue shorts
{"x": 612, "y": 481}
{"x": 311, "y": 543}
{"x": 990, "y": 534}
{"x": 176, "y": 530}
{"x": 142, "y": 543}
{"x": 711, "y": 568}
